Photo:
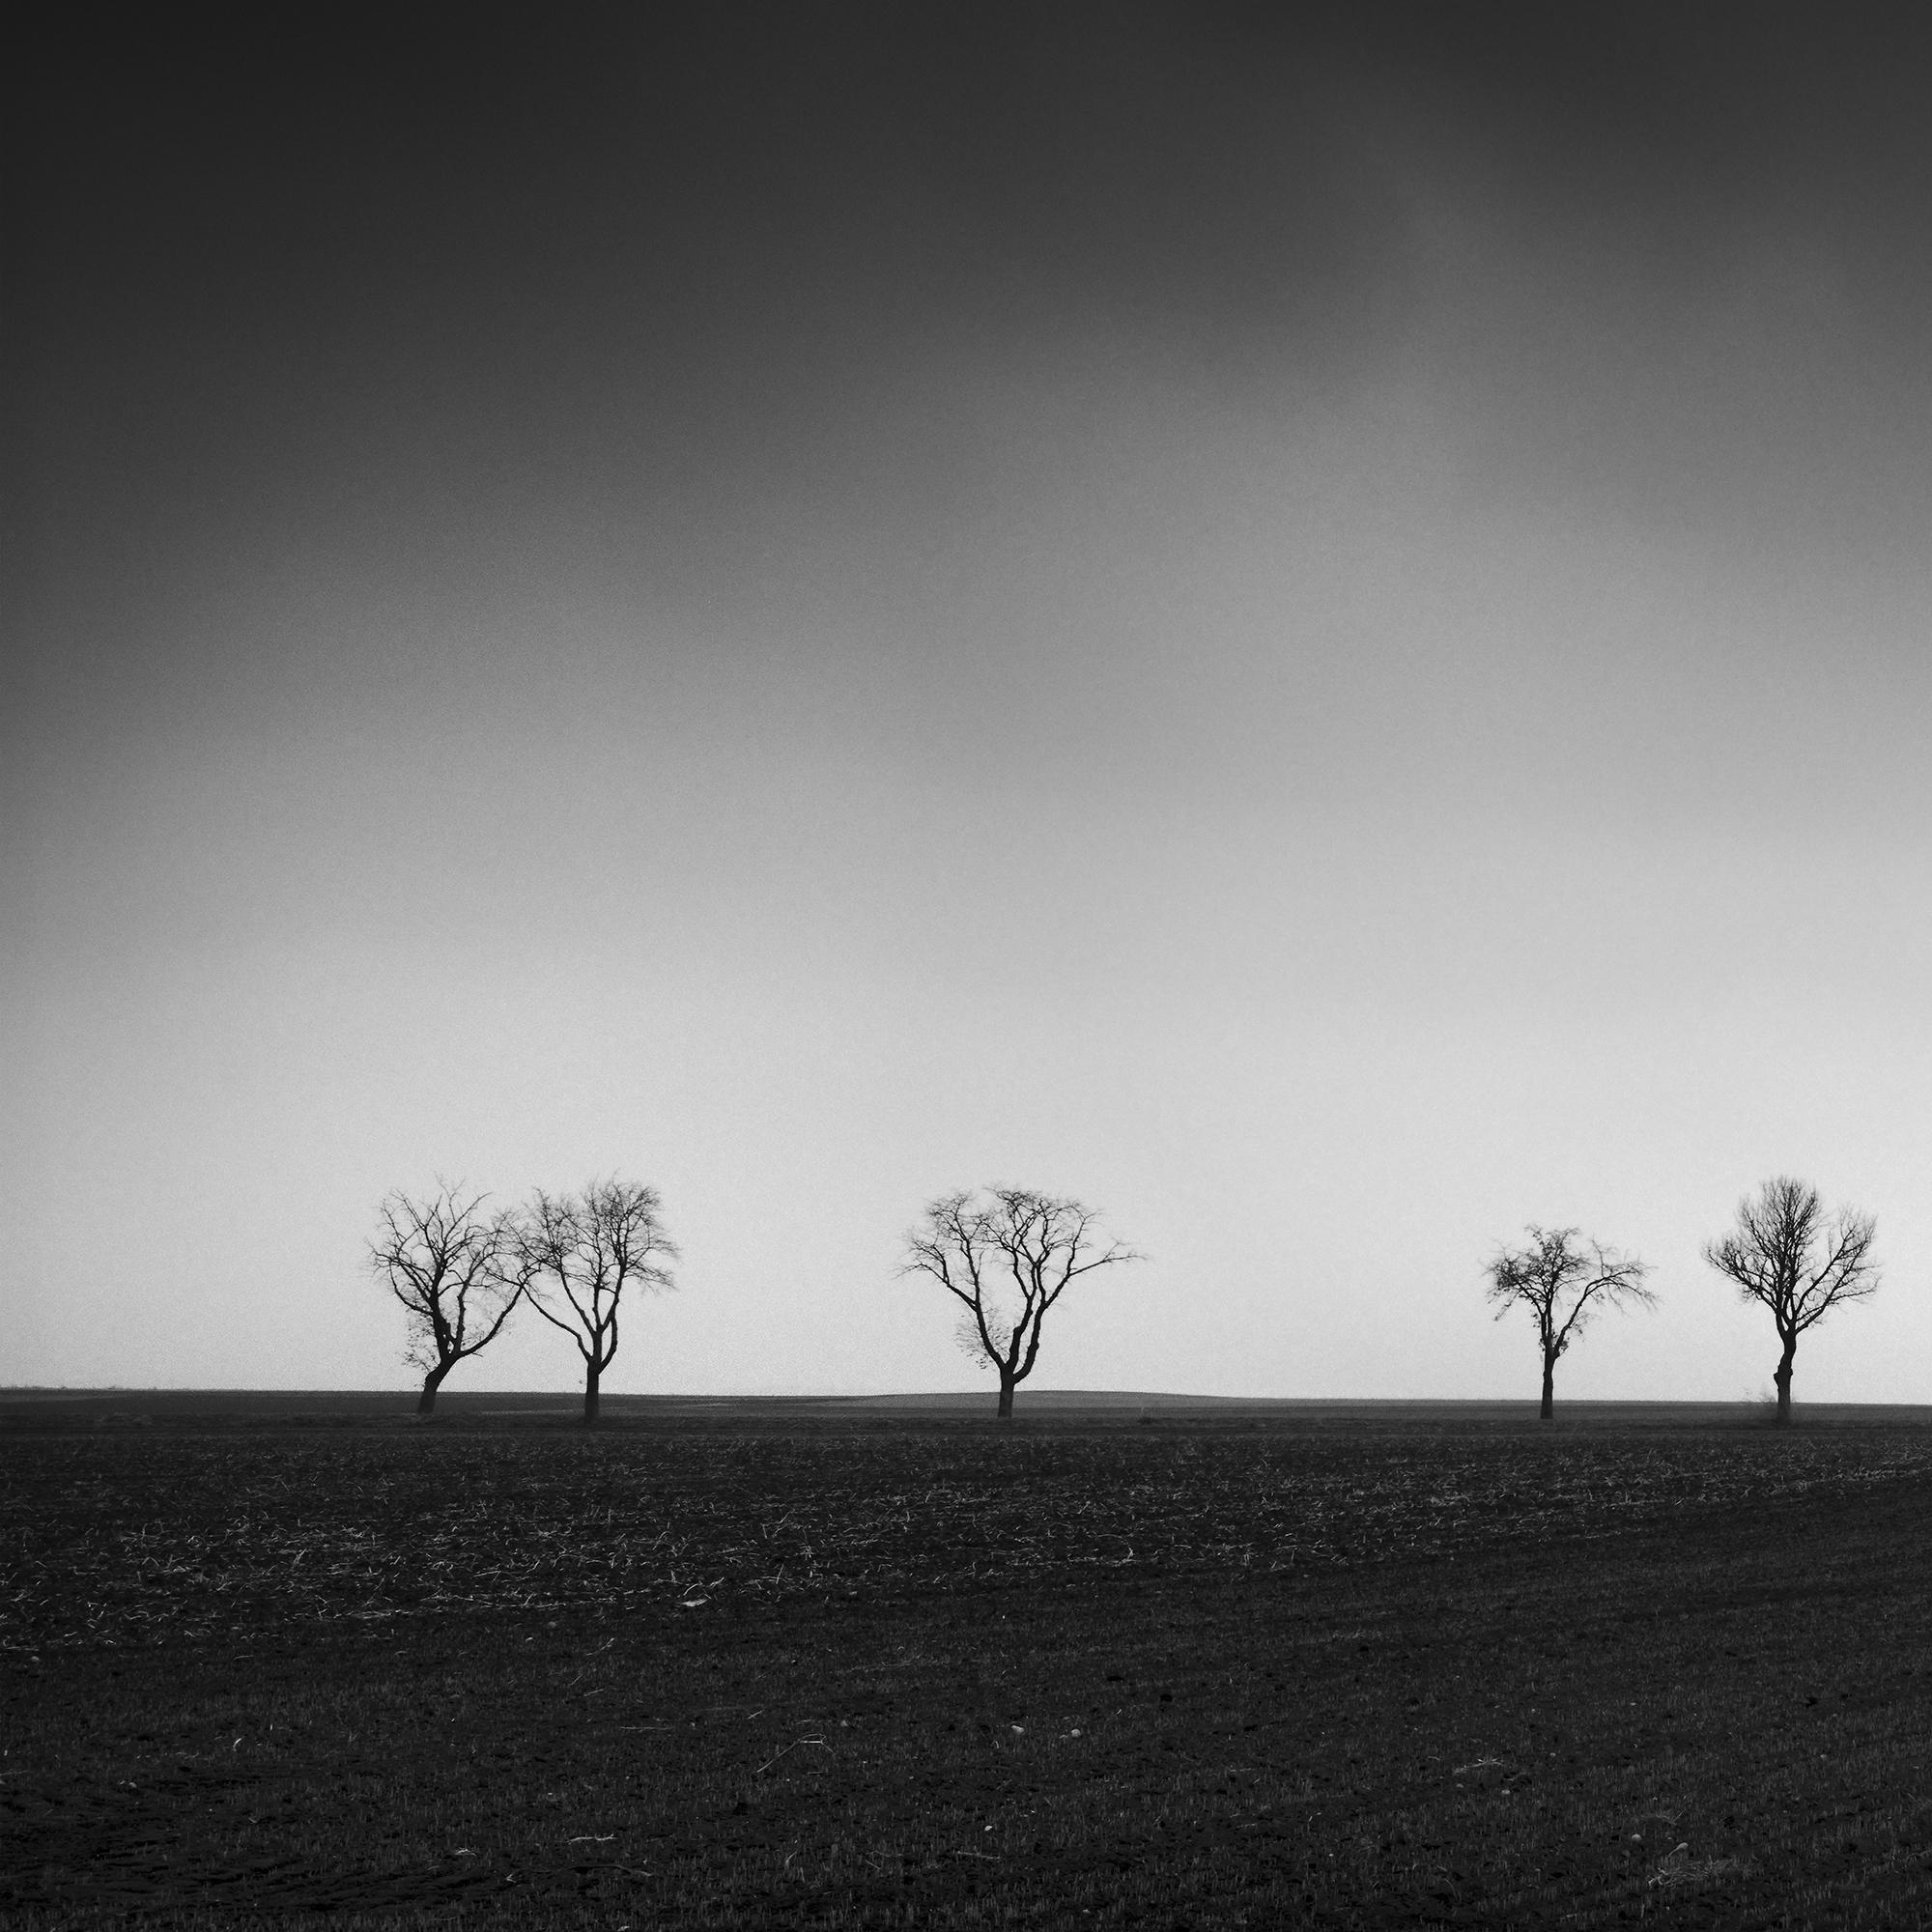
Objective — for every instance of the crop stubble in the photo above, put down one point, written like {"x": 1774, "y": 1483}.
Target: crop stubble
{"x": 961, "y": 1678}
{"x": 112, "y": 1541}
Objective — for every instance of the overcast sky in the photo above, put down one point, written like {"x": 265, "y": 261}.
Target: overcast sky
{"x": 1313, "y": 630}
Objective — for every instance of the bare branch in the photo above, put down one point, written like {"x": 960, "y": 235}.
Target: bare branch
{"x": 587, "y": 1249}
{"x": 1564, "y": 1281}
{"x": 444, "y": 1262}
{"x": 1787, "y": 1255}
{"x": 1007, "y": 1259}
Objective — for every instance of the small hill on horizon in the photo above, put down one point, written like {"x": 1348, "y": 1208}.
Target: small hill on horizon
{"x": 135, "y": 1407}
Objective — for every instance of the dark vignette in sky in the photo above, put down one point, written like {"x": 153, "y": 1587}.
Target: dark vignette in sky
{"x": 1307, "y": 623}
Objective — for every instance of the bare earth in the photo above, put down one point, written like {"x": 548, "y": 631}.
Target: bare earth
{"x": 1133, "y": 1661}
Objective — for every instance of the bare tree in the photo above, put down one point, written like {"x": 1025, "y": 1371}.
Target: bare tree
{"x": 445, "y": 1261}
{"x": 1007, "y": 1259}
{"x": 1563, "y": 1280}
{"x": 1801, "y": 1263}
{"x": 583, "y": 1251}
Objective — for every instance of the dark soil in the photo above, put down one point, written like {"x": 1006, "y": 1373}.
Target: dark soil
{"x": 1081, "y": 1673}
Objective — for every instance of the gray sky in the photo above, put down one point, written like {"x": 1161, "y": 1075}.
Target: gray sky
{"x": 1314, "y": 633}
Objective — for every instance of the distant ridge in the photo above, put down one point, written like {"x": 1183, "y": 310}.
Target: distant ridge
{"x": 109, "y": 1406}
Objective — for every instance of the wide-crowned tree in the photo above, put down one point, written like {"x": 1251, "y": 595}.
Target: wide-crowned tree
{"x": 576, "y": 1256}
{"x": 1006, "y": 1257}
{"x": 1563, "y": 1280}
{"x": 448, "y": 1263}
{"x": 1792, "y": 1258}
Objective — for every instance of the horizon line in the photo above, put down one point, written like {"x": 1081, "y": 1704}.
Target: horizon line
{"x": 572, "y": 1396}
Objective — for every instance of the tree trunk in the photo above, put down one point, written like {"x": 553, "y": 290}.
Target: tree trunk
{"x": 1783, "y": 1381}
{"x": 1548, "y": 1390}
{"x": 593, "y": 1369}
{"x": 431, "y": 1382}
{"x": 1006, "y": 1397}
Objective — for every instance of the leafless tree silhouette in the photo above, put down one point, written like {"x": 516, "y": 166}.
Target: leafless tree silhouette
{"x": 444, "y": 1260}
{"x": 583, "y": 1251}
{"x": 1007, "y": 1259}
{"x": 1801, "y": 1263}
{"x": 1563, "y": 1280}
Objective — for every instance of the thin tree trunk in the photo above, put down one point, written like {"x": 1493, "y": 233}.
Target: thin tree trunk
{"x": 1548, "y": 1390}
{"x": 431, "y": 1382}
{"x": 1006, "y": 1397}
{"x": 593, "y": 1369}
{"x": 1783, "y": 1381}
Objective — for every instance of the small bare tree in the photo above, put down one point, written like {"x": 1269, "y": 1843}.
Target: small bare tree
{"x": 1563, "y": 1280}
{"x": 445, "y": 1261}
{"x": 1801, "y": 1263}
{"x": 1007, "y": 1259}
{"x": 583, "y": 1251}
